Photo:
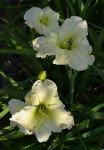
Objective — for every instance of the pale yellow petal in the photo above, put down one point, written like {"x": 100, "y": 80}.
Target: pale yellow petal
{"x": 79, "y": 26}
{"x": 82, "y": 46}
{"x": 59, "y": 119}
{"x": 27, "y": 119}
{"x": 46, "y": 92}
{"x": 77, "y": 60}
{"x": 32, "y": 98}
{"x": 42, "y": 133}
{"x": 59, "y": 59}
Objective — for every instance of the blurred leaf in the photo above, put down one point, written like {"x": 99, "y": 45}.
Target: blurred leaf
{"x": 93, "y": 110}
{"x": 15, "y": 93}
{"x": 3, "y": 113}
{"x": 85, "y": 9}
{"x": 93, "y": 35}
{"x": 75, "y": 130}
{"x": 11, "y": 135}
{"x": 99, "y": 71}
{"x": 13, "y": 83}
{"x": 27, "y": 51}
{"x": 98, "y": 45}
{"x": 59, "y": 7}
{"x": 93, "y": 132}
{"x": 6, "y": 129}
{"x": 98, "y": 115}
{"x": 71, "y": 7}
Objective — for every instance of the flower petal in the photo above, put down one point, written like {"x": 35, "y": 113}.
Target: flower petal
{"x": 59, "y": 119}
{"x": 42, "y": 133}
{"x": 46, "y": 92}
{"x": 82, "y": 46}
{"x": 74, "y": 27}
{"x": 52, "y": 23}
{"x": 62, "y": 116}
{"x": 80, "y": 27}
{"x": 51, "y": 14}
{"x": 27, "y": 119}
{"x": 32, "y": 98}
{"x": 47, "y": 45}
{"x": 50, "y": 27}
{"x": 15, "y": 105}
{"x": 60, "y": 60}
{"x": 78, "y": 61}
{"x": 32, "y": 17}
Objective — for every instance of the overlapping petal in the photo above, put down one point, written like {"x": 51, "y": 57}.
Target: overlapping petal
{"x": 59, "y": 119}
{"x": 27, "y": 119}
{"x": 15, "y": 105}
{"x": 48, "y": 45}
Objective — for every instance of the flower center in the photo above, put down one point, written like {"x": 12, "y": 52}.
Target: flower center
{"x": 44, "y": 20}
{"x": 68, "y": 44}
{"x": 43, "y": 111}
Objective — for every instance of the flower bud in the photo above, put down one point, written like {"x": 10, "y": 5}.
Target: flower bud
{"x": 42, "y": 75}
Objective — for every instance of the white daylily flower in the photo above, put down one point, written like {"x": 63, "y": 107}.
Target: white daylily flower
{"x": 42, "y": 112}
{"x": 69, "y": 45}
{"x": 43, "y": 20}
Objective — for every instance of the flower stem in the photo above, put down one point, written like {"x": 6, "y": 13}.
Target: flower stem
{"x": 71, "y": 83}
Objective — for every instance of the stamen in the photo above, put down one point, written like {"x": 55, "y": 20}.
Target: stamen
{"x": 43, "y": 110}
{"x": 44, "y": 20}
{"x": 68, "y": 44}
{"x": 70, "y": 41}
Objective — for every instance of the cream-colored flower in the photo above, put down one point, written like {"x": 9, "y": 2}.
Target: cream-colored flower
{"x": 41, "y": 113}
{"x": 43, "y": 20}
{"x": 69, "y": 45}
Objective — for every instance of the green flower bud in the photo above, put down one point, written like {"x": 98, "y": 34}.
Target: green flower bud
{"x": 42, "y": 75}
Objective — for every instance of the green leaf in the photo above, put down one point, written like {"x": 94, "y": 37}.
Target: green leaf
{"x": 13, "y": 83}
{"x": 59, "y": 7}
{"x": 5, "y": 37}
{"x": 99, "y": 44}
{"x": 3, "y": 113}
{"x": 98, "y": 115}
{"x": 6, "y": 129}
{"x": 27, "y": 80}
{"x": 99, "y": 71}
{"x": 93, "y": 110}
{"x": 71, "y": 7}
{"x": 11, "y": 135}
{"x": 27, "y": 51}
{"x": 20, "y": 94}
{"x": 93, "y": 35}
{"x": 85, "y": 9}
{"x": 93, "y": 132}
{"x": 75, "y": 130}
